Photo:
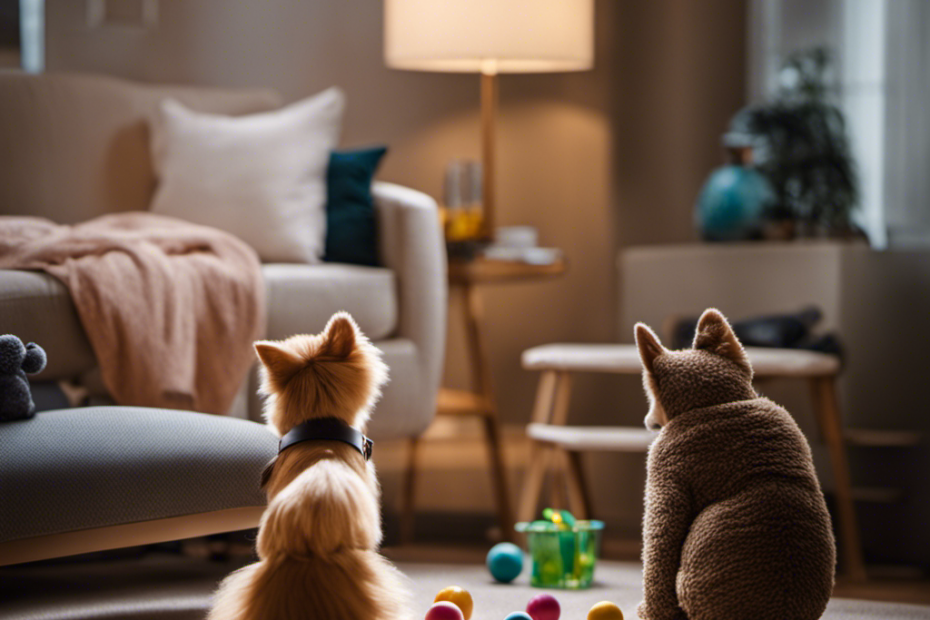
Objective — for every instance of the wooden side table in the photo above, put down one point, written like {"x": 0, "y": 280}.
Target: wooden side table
{"x": 465, "y": 278}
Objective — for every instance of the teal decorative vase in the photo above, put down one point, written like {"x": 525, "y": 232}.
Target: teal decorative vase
{"x": 731, "y": 204}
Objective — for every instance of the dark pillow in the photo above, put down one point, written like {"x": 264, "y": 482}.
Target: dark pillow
{"x": 351, "y": 227}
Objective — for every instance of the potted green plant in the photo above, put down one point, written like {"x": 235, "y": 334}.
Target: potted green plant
{"x": 799, "y": 142}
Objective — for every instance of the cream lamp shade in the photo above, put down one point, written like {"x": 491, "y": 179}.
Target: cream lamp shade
{"x": 489, "y": 36}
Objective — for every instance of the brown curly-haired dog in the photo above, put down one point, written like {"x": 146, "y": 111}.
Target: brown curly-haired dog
{"x": 318, "y": 537}
{"x": 736, "y": 525}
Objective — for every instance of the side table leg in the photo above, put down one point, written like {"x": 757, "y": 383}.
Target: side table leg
{"x": 824, "y": 391}
{"x": 499, "y": 477}
{"x": 481, "y": 375}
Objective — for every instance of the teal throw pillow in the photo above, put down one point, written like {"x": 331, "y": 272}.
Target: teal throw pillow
{"x": 351, "y": 226}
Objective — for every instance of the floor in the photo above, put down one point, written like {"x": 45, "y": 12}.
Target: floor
{"x": 900, "y": 589}
{"x": 161, "y": 585}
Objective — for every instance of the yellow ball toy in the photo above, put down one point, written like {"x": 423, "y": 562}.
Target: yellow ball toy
{"x": 458, "y": 597}
{"x": 605, "y": 610}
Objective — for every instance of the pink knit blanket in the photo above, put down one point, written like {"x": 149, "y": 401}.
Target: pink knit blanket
{"x": 170, "y": 308}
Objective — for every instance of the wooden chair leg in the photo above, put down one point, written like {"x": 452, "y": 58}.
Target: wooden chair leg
{"x": 410, "y": 492}
{"x": 825, "y": 402}
{"x": 578, "y": 495}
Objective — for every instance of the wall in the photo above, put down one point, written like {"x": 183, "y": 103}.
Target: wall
{"x": 879, "y": 57}
{"x": 595, "y": 160}
{"x": 554, "y": 143}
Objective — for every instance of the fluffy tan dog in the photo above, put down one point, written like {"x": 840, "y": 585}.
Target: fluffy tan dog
{"x": 318, "y": 537}
{"x": 736, "y": 526}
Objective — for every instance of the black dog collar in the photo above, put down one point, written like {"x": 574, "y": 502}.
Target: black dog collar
{"x": 327, "y": 429}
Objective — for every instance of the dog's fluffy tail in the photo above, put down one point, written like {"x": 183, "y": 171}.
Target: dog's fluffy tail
{"x": 349, "y": 585}
{"x": 326, "y": 508}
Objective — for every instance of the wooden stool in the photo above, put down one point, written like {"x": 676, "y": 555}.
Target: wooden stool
{"x": 556, "y": 447}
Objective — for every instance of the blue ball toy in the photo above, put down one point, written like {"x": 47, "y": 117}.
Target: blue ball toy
{"x": 518, "y": 615}
{"x": 505, "y": 561}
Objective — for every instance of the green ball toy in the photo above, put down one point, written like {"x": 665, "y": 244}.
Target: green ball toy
{"x": 505, "y": 561}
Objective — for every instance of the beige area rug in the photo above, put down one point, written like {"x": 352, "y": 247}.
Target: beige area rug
{"x": 155, "y": 587}
{"x": 620, "y": 582}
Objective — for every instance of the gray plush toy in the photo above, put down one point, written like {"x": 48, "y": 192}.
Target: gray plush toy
{"x": 16, "y": 360}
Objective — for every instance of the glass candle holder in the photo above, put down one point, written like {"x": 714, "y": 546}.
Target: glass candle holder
{"x": 563, "y": 556}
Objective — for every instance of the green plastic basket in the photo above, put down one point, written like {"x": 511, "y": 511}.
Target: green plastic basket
{"x": 563, "y": 557}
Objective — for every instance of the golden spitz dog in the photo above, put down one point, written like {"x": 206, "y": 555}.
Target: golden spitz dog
{"x": 318, "y": 537}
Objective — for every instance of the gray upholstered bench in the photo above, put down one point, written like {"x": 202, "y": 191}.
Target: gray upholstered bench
{"x": 88, "y": 479}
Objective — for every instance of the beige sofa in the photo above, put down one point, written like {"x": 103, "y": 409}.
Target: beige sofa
{"x": 73, "y": 147}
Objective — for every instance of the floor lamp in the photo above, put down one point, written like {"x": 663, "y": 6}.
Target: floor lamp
{"x": 489, "y": 37}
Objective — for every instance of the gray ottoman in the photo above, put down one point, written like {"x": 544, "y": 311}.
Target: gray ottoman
{"x": 88, "y": 479}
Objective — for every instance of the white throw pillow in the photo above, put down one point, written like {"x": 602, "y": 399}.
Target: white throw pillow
{"x": 261, "y": 177}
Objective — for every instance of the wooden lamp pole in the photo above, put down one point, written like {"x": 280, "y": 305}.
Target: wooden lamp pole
{"x": 488, "y": 118}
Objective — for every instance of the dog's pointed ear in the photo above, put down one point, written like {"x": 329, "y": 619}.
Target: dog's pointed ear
{"x": 280, "y": 362}
{"x": 341, "y": 336}
{"x": 715, "y": 335}
{"x": 648, "y": 344}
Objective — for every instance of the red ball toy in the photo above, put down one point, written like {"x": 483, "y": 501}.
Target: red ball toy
{"x": 444, "y": 610}
{"x": 544, "y": 607}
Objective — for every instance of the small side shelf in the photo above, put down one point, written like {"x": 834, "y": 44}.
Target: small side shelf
{"x": 876, "y": 438}
{"x": 461, "y": 402}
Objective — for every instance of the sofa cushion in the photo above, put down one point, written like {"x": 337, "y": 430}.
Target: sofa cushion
{"x": 301, "y": 298}
{"x": 351, "y": 221}
{"x": 77, "y": 146}
{"x": 261, "y": 177}
{"x": 76, "y": 469}
{"x": 38, "y": 308}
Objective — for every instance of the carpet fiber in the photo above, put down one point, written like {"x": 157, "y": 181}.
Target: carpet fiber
{"x": 173, "y": 588}
{"x": 620, "y": 582}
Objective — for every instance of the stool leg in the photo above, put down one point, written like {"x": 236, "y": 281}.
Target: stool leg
{"x": 560, "y": 403}
{"x": 578, "y": 495}
{"x": 825, "y": 401}
{"x": 533, "y": 482}
{"x": 545, "y": 395}
{"x": 557, "y": 480}
{"x": 563, "y": 392}
{"x": 410, "y": 492}
{"x": 538, "y": 458}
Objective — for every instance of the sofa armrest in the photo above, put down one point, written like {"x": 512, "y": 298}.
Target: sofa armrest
{"x": 411, "y": 244}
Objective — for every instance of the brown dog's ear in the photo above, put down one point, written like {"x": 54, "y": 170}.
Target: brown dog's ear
{"x": 281, "y": 362}
{"x": 648, "y": 344}
{"x": 715, "y": 335}
{"x": 341, "y": 335}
